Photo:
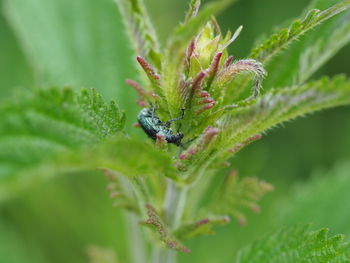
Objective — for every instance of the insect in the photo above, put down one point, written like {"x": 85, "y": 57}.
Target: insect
{"x": 153, "y": 126}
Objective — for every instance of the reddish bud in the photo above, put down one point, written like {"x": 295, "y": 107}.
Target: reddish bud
{"x": 228, "y": 61}
{"x": 136, "y": 86}
{"x": 214, "y": 66}
{"x": 198, "y": 81}
{"x": 141, "y": 92}
{"x": 206, "y": 107}
{"x": 189, "y": 52}
{"x": 161, "y": 142}
{"x": 255, "y": 208}
{"x": 209, "y": 134}
{"x": 207, "y": 100}
{"x": 151, "y": 73}
{"x": 203, "y": 94}
{"x": 202, "y": 222}
{"x": 183, "y": 156}
{"x": 141, "y": 103}
{"x": 188, "y": 154}
{"x": 192, "y": 151}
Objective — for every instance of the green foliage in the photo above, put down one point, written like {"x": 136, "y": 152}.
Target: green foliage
{"x": 150, "y": 164}
{"x": 297, "y": 244}
{"x": 80, "y": 44}
{"x": 140, "y": 30}
{"x": 36, "y": 126}
{"x": 325, "y": 188}
{"x": 52, "y": 131}
{"x": 13, "y": 249}
{"x": 236, "y": 194}
{"x": 14, "y": 69}
{"x": 315, "y": 56}
{"x": 280, "y": 105}
{"x": 38, "y": 220}
{"x": 299, "y": 61}
{"x": 139, "y": 158}
{"x": 238, "y": 125}
{"x": 324, "y": 42}
{"x": 278, "y": 41}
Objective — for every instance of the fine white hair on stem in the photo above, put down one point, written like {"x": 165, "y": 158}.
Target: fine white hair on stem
{"x": 242, "y": 66}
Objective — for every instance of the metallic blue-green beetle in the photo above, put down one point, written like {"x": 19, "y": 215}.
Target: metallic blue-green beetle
{"x": 153, "y": 126}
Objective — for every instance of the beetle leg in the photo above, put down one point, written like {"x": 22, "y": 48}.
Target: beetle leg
{"x": 190, "y": 140}
{"x": 153, "y": 109}
{"x": 167, "y": 123}
{"x": 183, "y": 145}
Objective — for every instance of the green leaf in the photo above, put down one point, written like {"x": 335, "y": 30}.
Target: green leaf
{"x": 278, "y": 106}
{"x": 14, "y": 69}
{"x": 297, "y": 245}
{"x": 14, "y": 249}
{"x": 79, "y": 43}
{"x": 36, "y": 126}
{"x": 129, "y": 157}
{"x": 323, "y": 200}
{"x": 235, "y": 195}
{"x": 285, "y": 36}
{"x": 298, "y": 63}
{"x": 141, "y": 31}
{"x": 320, "y": 52}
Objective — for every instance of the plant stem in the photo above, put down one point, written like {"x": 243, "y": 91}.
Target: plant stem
{"x": 136, "y": 240}
{"x": 137, "y": 253}
{"x": 174, "y": 205}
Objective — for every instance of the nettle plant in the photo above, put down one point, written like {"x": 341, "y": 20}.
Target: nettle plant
{"x": 199, "y": 106}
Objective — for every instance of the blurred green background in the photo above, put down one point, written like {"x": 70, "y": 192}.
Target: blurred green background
{"x": 82, "y": 43}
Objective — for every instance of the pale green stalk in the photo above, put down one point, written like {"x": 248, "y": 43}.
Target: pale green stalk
{"x": 173, "y": 211}
{"x": 137, "y": 253}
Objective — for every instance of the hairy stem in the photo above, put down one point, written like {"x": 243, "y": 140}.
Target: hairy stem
{"x": 136, "y": 240}
{"x": 174, "y": 203}
{"x": 173, "y": 210}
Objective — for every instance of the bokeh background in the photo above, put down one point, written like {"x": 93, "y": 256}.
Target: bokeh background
{"x": 82, "y": 43}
